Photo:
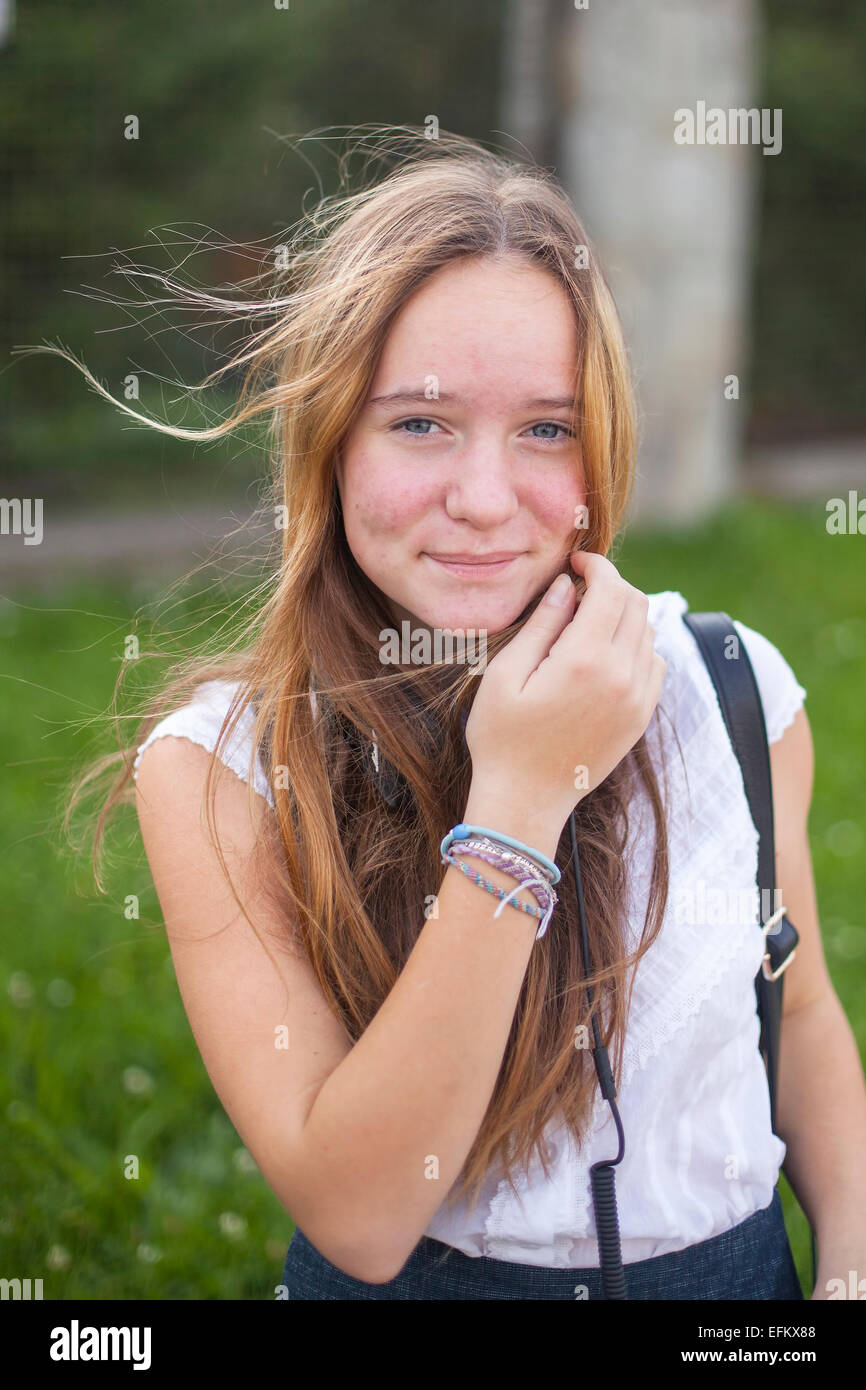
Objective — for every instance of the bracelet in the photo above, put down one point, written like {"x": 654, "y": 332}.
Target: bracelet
{"x": 498, "y": 892}
{"x": 542, "y": 891}
{"x": 463, "y": 832}
{"x": 493, "y": 853}
{"x": 512, "y": 864}
{"x": 506, "y": 897}
{"x": 491, "y": 847}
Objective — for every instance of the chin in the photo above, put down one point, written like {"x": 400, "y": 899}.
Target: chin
{"x": 490, "y": 618}
{"x": 483, "y": 612}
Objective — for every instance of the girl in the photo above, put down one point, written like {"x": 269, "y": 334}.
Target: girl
{"x": 398, "y": 1028}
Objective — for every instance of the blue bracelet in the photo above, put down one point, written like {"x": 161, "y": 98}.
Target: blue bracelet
{"x": 463, "y": 832}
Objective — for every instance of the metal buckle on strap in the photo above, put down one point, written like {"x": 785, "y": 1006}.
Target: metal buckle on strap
{"x": 767, "y": 927}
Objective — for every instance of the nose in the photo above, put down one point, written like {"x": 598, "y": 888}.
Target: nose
{"x": 481, "y": 487}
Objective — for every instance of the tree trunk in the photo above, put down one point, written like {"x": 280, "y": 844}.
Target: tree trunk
{"x": 672, "y": 223}
{"x": 528, "y": 66}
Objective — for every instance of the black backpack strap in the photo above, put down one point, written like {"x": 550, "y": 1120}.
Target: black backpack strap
{"x": 743, "y": 713}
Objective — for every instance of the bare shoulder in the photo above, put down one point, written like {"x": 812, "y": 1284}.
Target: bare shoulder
{"x": 171, "y": 791}
{"x": 263, "y": 1026}
{"x": 792, "y": 762}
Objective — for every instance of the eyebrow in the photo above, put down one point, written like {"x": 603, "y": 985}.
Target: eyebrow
{"x": 406, "y": 397}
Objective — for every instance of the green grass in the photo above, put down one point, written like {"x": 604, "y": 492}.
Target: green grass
{"x": 103, "y": 1066}
{"x": 99, "y": 1061}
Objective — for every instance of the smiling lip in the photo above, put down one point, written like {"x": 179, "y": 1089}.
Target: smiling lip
{"x": 468, "y": 565}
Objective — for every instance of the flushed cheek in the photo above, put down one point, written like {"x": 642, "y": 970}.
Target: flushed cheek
{"x": 554, "y": 507}
{"x": 385, "y": 507}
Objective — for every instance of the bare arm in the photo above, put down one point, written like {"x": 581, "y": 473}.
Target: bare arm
{"x": 418, "y": 1082}
{"x": 339, "y": 1132}
{"x": 822, "y": 1097}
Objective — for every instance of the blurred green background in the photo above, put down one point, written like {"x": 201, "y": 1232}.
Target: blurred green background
{"x": 220, "y": 90}
{"x": 94, "y": 1026}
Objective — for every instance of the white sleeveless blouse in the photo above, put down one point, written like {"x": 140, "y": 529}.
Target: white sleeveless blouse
{"x": 700, "y": 1153}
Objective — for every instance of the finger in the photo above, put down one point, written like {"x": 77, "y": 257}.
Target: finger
{"x": 655, "y": 681}
{"x": 645, "y": 664}
{"x": 632, "y": 624}
{"x": 528, "y": 648}
{"x": 601, "y": 607}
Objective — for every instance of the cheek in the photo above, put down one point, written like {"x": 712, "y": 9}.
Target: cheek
{"x": 379, "y": 502}
{"x": 554, "y": 505}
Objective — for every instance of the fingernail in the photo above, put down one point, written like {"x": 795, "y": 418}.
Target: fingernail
{"x": 558, "y": 592}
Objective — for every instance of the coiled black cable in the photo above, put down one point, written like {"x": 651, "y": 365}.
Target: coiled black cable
{"x": 601, "y": 1173}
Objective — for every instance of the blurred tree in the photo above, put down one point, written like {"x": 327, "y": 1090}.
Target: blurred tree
{"x": 529, "y": 105}
{"x": 673, "y": 224}
{"x": 214, "y": 83}
{"x": 7, "y": 20}
{"x": 810, "y": 272}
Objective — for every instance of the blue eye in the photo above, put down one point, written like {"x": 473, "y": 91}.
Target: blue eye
{"x": 429, "y": 426}
{"x": 554, "y": 425}
{"x": 416, "y": 420}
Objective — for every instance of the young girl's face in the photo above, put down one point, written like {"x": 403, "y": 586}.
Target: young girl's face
{"x": 463, "y": 450}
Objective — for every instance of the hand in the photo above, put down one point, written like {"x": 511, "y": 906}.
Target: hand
{"x": 563, "y": 703}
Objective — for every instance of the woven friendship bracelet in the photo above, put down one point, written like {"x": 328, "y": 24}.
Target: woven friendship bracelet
{"x": 540, "y": 888}
{"x": 484, "y": 848}
{"x": 532, "y": 884}
{"x": 515, "y": 865}
{"x": 492, "y": 887}
{"x": 464, "y": 832}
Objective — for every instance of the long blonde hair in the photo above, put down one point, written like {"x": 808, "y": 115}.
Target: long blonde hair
{"x": 356, "y": 872}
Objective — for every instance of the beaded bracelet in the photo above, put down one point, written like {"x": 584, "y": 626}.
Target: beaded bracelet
{"x": 513, "y": 865}
{"x": 533, "y": 883}
{"x": 541, "y": 890}
{"x": 506, "y": 897}
{"x": 495, "y": 853}
{"x": 463, "y": 832}
{"x": 510, "y": 862}
{"x": 492, "y": 888}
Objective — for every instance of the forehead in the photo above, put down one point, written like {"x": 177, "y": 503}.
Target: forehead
{"x": 479, "y": 321}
